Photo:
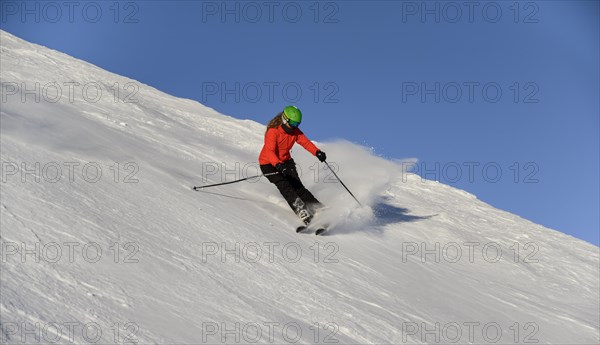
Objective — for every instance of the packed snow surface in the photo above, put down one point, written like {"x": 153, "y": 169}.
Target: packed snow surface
{"x": 104, "y": 241}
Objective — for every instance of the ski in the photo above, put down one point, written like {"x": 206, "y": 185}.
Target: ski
{"x": 321, "y": 230}
{"x": 301, "y": 228}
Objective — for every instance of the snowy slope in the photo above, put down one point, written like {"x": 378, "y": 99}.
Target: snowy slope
{"x": 178, "y": 278}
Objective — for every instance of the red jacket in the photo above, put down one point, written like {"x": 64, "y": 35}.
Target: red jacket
{"x": 278, "y": 145}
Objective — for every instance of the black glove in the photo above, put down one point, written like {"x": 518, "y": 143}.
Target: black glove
{"x": 321, "y": 155}
{"x": 283, "y": 169}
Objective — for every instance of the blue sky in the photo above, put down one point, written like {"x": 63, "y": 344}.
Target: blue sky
{"x": 476, "y": 89}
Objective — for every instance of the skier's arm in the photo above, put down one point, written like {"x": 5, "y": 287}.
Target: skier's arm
{"x": 271, "y": 147}
{"x": 307, "y": 144}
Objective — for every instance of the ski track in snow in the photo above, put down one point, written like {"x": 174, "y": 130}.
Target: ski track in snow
{"x": 369, "y": 292}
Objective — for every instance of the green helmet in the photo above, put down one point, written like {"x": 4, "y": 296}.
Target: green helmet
{"x": 292, "y": 116}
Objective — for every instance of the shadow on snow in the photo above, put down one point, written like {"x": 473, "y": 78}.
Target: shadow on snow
{"x": 384, "y": 214}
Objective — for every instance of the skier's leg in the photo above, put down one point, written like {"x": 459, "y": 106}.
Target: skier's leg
{"x": 309, "y": 199}
{"x": 283, "y": 184}
{"x": 285, "y": 187}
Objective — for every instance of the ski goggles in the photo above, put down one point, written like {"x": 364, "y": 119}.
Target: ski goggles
{"x": 290, "y": 122}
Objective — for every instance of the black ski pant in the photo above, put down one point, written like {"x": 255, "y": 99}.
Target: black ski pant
{"x": 290, "y": 186}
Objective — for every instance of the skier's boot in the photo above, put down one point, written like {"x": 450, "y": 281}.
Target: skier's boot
{"x": 301, "y": 211}
{"x": 305, "y": 216}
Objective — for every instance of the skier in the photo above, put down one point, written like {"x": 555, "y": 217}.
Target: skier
{"x": 281, "y": 134}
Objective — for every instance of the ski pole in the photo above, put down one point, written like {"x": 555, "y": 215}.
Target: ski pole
{"x": 338, "y": 178}
{"x": 230, "y": 182}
